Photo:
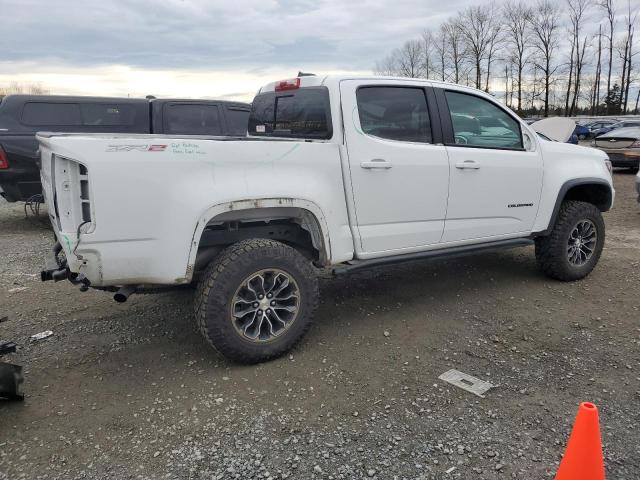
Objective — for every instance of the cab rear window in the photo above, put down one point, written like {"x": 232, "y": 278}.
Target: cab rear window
{"x": 302, "y": 113}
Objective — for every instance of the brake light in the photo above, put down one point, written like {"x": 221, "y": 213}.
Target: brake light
{"x": 635, "y": 144}
{"x": 4, "y": 163}
{"x": 284, "y": 85}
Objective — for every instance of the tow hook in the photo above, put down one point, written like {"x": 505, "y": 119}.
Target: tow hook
{"x": 59, "y": 270}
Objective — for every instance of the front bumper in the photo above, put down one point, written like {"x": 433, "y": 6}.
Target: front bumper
{"x": 624, "y": 158}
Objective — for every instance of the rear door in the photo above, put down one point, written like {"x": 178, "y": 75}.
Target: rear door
{"x": 496, "y": 171}
{"x": 398, "y": 165}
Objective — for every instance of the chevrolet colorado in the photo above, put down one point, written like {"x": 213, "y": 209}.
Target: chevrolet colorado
{"x": 337, "y": 172}
{"x": 21, "y": 116}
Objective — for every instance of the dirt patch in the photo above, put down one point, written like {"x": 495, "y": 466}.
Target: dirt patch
{"x": 132, "y": 391}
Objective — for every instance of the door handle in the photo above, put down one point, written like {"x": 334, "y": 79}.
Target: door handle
{"x": 377, "y": 163}
{"x": 468, "y": 164}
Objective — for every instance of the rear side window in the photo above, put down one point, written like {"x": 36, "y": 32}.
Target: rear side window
{"x": 51, "y": 114}
{"x": 479, "y": 123}
{"x": 192, "y": 119}
{"x": 107, "y": 114}
{"x": 237, "y": 120}
{"x": 394, "y": 113}
{"x": 302, "y": 113}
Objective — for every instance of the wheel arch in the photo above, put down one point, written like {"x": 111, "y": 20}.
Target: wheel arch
{"x": 596, "y": 191}
{"x": 304, "y": 213}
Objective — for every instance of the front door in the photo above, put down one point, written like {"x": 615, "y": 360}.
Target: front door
{"x": 496, "y": 179}
{"x": 399, "y": 177}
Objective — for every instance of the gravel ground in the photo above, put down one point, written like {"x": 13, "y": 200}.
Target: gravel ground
{"x": 132, "y": 391}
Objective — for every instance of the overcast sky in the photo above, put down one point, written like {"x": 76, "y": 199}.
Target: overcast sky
{"x": 198, "y": 48}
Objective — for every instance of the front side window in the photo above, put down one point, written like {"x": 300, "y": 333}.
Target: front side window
{"x": 192, "y": 119}
{"x": 51, "y": 114}
{"x": 394, "y": 113}
{"x": 480, "y": 123}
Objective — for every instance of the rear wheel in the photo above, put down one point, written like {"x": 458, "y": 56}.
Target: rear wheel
{"x": 256, "y": 300}
{"x": 572, "y": 249}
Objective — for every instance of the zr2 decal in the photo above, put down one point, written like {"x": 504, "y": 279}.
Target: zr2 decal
{"x": 136, "y": 148}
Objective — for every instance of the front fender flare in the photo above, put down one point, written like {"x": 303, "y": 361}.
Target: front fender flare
{"x": 562, "y": 193}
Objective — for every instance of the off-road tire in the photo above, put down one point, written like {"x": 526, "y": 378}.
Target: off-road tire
{"x": 551, "y": 250}
{"x": 223, "y": 277}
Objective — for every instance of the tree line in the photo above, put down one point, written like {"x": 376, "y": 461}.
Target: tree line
{"x": 23, "y": 88}
{"x": 568, "y": 57}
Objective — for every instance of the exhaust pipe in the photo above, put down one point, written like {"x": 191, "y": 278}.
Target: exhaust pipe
{"x": 123, "y": 293}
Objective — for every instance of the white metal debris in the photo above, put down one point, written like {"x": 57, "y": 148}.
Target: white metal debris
{"x": 466, "y": 382}
{"x": 17, "y": 289}
{"x": 41, "y": 335}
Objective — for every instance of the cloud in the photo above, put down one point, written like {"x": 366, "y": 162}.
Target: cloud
{"x": 205, "y": 34}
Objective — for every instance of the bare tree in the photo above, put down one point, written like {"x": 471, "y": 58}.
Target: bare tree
{"x": 577, "y": 10}
{"x": 611, "y": 17}
{"x": 517, "y": 17}
{"x": 544, "y": 24}
{"x": 595, "y": 97}
{"x": 452, "y": 31}
{"x": 427, "y": 52}
{"x": 441, "y": 51}
{"x": 410, "y": 61}
{"x": 495, "y": 39}
{"x": 387, "y": 66}
{"x": 476, "y": 23}
{"x": 627, "y": 55}
{"x": 406, "y": 61}
{"x": 24, "y": 88}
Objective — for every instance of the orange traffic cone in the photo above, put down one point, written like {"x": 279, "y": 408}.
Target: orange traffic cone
{"x": 583, "y": 457}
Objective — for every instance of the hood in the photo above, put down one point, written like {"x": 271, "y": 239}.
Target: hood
{"x": 559, "y": 129}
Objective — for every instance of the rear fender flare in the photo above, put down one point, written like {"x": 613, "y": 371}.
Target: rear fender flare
{"x": 314, "y": 212}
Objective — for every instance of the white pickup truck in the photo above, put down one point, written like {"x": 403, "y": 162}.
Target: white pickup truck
{"x": 340, "y": 172}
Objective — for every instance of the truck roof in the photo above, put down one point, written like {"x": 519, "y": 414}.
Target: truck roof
{"x": 22, "y": 98}
{"x": 325, "y": 80}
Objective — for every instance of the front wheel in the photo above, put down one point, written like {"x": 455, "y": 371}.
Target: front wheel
{"x": 572, "y": 249}
{"x": 256, "y": 300}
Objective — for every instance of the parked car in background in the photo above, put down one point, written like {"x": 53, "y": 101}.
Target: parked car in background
{"x": 595, "y": 125}
{"x": 582, "y": 132}
{"x": 615, "y": 126}
{"x": 21, "y": 116}
{"x": 622, "y": 145}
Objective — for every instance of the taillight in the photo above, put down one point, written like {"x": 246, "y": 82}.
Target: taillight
{"x": 635, "y": 144}
{"x": 284, "y": 85}
{"x": 4, "y": 163}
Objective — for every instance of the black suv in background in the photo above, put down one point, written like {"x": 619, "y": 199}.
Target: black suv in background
{"x": 21, "y": 116}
